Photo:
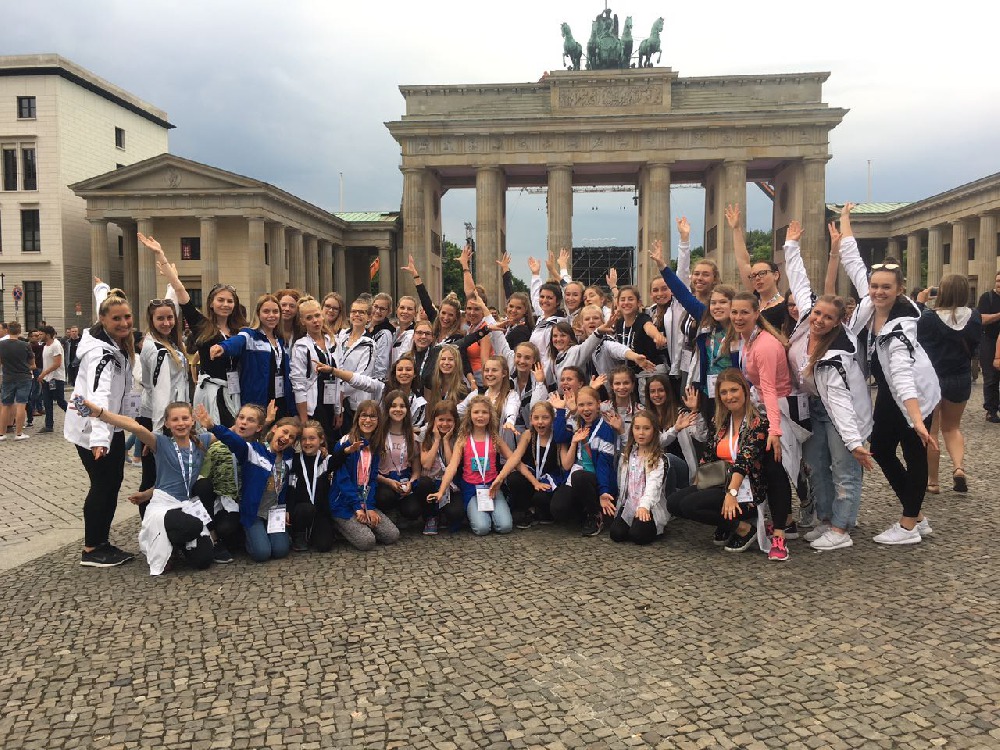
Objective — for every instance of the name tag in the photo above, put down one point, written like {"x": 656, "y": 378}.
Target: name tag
{"x": 196, "y": 509}
{"x": 483, "y": 500}
{"x": 710, "y": 384}
{"x": 743, "y": 494}
{"x": 276, "y": 520}
{"x": 803, "y": 399}
{"x": 133, "y": 401}
{"x": 233, "y": 381}
{"x": 279, "y": 386}
{"x": 329, "y": 393}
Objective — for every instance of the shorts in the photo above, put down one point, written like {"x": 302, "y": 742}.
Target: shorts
{"x": 956, "y": 388}
{"x": 16, "y": 393}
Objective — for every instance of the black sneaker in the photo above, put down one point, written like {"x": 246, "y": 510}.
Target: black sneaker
{"x": 129, "y": 557}
{"x": 792, "y": 531}
{"x": 722, "y": 535}
{"x": 300, "y": 541}
{"x": 221, "y": 555}
{"x": 993, "y": 417}
{"x": 593, "y": 525}
{"x": 45, "y": 429}
{"x": 524, "y": 520}
{"x": 102, "y": 557}
{"x": 739, "y": 543}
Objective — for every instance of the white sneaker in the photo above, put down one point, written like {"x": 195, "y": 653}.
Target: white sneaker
{"x": 22, "y": 436}
{"x": 832, "y": 540}
{"x": 896, "y": 534}
{"x": 924, "y": 527}
{"x": 3, "y": 437}
{"x": 816, "y": 533}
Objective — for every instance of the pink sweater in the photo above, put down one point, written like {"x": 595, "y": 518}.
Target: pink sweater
{"x": 765, "y": 364}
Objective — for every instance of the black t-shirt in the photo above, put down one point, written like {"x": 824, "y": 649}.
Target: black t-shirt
{"x": 15, "y": 355}
{"x": 214, "y": 368}
{"x": 989, "y": 304}
{"x": 776, "y": 315}
{"x": 636, "y": 338}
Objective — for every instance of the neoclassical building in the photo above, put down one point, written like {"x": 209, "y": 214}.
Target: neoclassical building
{"x": 218, "y": 226}
{"x": 954, "y": 232}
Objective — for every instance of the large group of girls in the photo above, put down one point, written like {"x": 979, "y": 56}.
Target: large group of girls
{"x": 318, "y": 422}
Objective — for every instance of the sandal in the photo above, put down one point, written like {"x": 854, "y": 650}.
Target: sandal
{"x": 933, "y": 489}
{"x": 959, "y": 480}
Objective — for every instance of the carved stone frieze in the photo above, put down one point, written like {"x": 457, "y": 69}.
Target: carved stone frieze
{"x": 610, "y": 96}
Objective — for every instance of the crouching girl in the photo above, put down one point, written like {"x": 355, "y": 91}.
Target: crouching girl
{"x": 641, "y": 512}
{"x": 172, "y": 521}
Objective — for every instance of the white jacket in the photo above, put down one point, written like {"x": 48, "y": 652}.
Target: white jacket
{"x": 652, "y": 498}
{"x": 163, "y": 381}
{"x": 105, "y": 379}
{"x": 905, "y": 364}
{"x": 302, "y": 371}
{"x": 359, "y": 358}
{"x": 377, "y": 389}
{"x": 507, "y": 414}
{"x": 837, "y": 378}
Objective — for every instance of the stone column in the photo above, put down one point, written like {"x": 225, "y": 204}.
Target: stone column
{"x": 130, "y": 259}
{"x": 385, "y": 273}
{"x": 276, "y": 247}
{"x": 489, "y": 230}
{"x": 146, "y": 270}
{"x": 815, "y": 251}
{"x": 311, "y": 260}
{"x": 340, "y": 272}
{"x": 259, "y": 279}
{"x": 892, "y": 248}
{"x": 656, "y": 223}
{"x": 100, "y": 265}
{"x": 325, "y": 268}
{"x": 913, "y": 260}
{"x": 415, "y": 240}
{"x": 732, "y": 189}
{"x": 960, "y": 247}
{"x": 559, "y": 200}
{"x": 935, "y": 256}
{"x": 296, "y": 260}
{"x": 209, "y": 252}
{"x": 986, "y": 252}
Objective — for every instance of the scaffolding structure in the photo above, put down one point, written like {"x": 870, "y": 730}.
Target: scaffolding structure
{"x": 591, "y": 264}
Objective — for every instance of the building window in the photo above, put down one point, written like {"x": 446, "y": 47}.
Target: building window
{"x": 267, "y": 255}
{"x": 30, "y": 170}
{"x": 195, "y": 295}
{"x": 972, "y": 248}
{"x": 31, "y": 231}
{"x": 32, "y": 304}
{"x": 119, "y": 166}
{"x": 9, "y": 169}
{"x": 121, "y": 246}
{"x": 190, "y": 248}
{"x": 25, "y": 108}
{"x": 946, "y": 253}
{"x": 119, "y": 138}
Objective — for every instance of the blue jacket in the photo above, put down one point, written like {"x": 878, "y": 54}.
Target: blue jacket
{"x": 256, "y": 358}
{"x": 257, "y": 462}
{"x": 601, "y": 443}
{"x": 345, "y": 500}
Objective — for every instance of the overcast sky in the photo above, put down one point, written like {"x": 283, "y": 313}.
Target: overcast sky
{"x": 296, "y": 92}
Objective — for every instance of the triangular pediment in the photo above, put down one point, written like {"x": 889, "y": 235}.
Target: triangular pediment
{"x": 165, "y": 173}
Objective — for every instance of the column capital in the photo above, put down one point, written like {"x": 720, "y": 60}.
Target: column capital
{"x": 552, "y": 167}
{"x": 661, "y": 163}
{"x": 735, "y": 162}
{"x": 412, "y": 170}
{"x": 825, "y": 158}
{"x": 98, "y": 222}
{"x": 207, "y": 217}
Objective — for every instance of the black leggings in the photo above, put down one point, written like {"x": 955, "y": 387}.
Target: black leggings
{"x": 909, "y": 480}
{"x": 579, "y": 501}
{"x": 411, "y": 506}
{"x": 779, "y": 490}
{"x": 226, "y": 524}
{"x": 313, "y": 521}
{"x": 106, "y": 475}
{"x": 523, "y": 498}
{"x": 183, "y": 528}
{"x": 704, "y": 506}
{"x": 640, "y": 532}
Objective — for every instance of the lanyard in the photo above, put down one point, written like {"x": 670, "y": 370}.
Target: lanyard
{"x": 745, "y": 349}
{"x": 278, "y": 352}
{"x": 364, "y": 475}
{"x": 587, "y": 445}
{"x": 628, "y": 337}
{"x": 541, "y": 458}
{"x": 716, "y": 339}
{"x": 278, "y": 474}
{"x": 186, "y": 475}
{"x": 323, "y": 352}
{"x": 311, "y": 486}
{"x": 481, "y": 465}
{"x": 236, "y": 474}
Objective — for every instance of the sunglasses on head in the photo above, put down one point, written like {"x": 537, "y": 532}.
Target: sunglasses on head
{"x": 885, "y": 266}
{"x": 217, "y": 287}
{"x": 160, "y": 303}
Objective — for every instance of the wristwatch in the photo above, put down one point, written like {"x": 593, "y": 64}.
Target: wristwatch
{"x": 733, "y": 493}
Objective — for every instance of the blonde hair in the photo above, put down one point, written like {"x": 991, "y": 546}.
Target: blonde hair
{"x": 492, "y": 429}
{"x": 452, "y": 387}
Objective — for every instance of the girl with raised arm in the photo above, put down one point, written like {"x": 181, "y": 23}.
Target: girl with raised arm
{"x": 218, "y": 387}
{"x": 760, "y": 278}
{"x": 263, "y": 358}
{"x": 545, "y": 299}
{"x": 908, "y": 388}
{"x": 635, "y": 330}
{"x": 822, "y": 354}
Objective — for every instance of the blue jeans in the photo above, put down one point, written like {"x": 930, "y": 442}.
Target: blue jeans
{"x": 53, "y": 392}
{"x": 835, "y": 481}
{"x": 482, "y": 521}
{"x": 262, "y": 546}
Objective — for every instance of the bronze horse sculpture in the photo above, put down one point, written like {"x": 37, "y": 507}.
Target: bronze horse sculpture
{"x": 571, "y": 48}
{"x": 651, "y": 45}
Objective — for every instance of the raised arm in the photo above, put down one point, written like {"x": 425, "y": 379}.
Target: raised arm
{"x": 850, "y": 256}
{"x": 465, "y": 260}
{"x": 536, "y": 285}
{"x": 833, "y": 264}
{"x": 679, "y": 289}
{"x": 684, "y": 249}
{"x": 798, "y": 279}
{"x": 739, "y": 245}
{"x": 124, "y": 423}
{"x": 166, "y": 269}
{"x": 508, "y": 278}
{"x": 425, "y": 298}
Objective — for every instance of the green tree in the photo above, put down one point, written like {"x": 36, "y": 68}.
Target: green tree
{"x": 451, "y": 269}
{"x": 760, "y": 244}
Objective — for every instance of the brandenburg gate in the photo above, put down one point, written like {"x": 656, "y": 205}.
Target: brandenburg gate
{"x": 647, "y": 127}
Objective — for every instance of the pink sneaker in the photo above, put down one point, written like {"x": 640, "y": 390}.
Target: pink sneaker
{"x": 778, "y": 549}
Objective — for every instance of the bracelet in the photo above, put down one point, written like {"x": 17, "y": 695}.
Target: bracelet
{"x": 416, "y": 278}
{"x": 101, "y": 414}
{"x": 466, "y": 270}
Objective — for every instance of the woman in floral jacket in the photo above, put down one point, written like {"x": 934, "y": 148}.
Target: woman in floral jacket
{"x": 740, "y": 441}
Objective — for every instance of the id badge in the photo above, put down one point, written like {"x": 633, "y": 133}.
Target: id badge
{"x": 483, "y": 500}
{"x": 686, "y": 358}
{"x": 743, "y": 494}
{"x": 196, "y": 509}
{"x": 710, "y": 385}
{"x": 279, "y": 386}
{"x": 233, "y": 381}
{"x": 276, "y": 520}
{"x": 803, "y": 404}
{"x": 133, "y": 401}
{"x": 329, "y": 393}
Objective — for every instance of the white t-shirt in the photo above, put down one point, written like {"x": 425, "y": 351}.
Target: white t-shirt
{"x": 49, "y": 354}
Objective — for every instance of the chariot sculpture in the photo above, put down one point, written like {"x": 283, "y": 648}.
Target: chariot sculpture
{"x": 606, "y": 49}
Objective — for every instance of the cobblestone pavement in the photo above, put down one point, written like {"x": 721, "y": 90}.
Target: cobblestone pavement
{"x": 539, "y": 639}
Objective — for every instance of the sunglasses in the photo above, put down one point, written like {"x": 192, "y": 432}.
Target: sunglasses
{"x": 885, "y": 266}
{"x": 217, "y": 287}
{"x": 160, "y": 303}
